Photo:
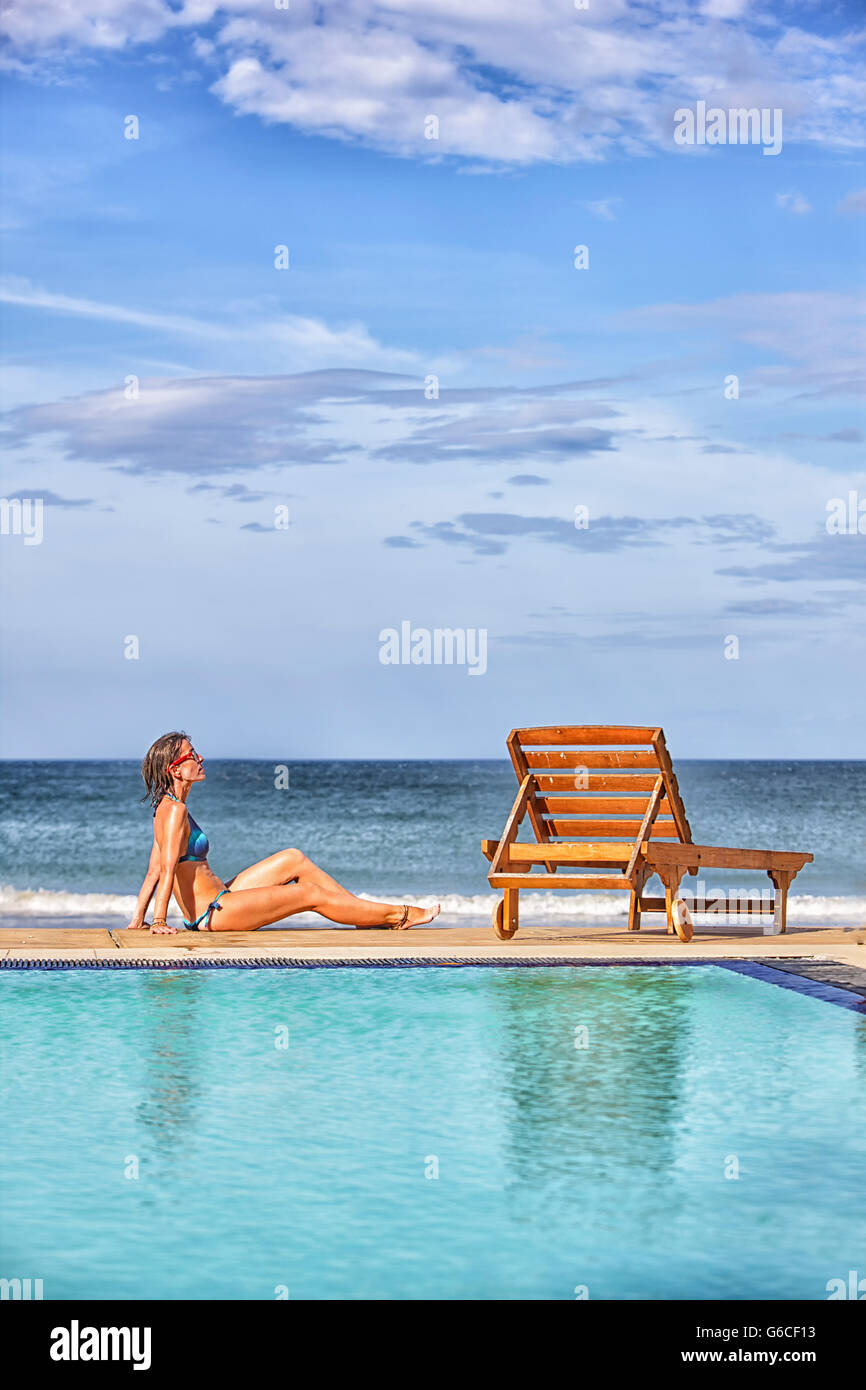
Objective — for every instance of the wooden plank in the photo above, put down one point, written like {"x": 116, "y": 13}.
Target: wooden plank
{"x": 554, "y": 734}
{"x": 723, "y": 857}
{"x": 781, "y": 879}
{"x": 592, "y": 782}
{"x": 510, "y": 911}
{"x": 488, "y": 848}
{"x": 613, "y": 853}
{"x": 589, "y": 757}
{"x": 512, "y": 825}
{"x": 649, "y": 816}
{"x": 672, "y": 789}
{"x": 720, "y": 906}
{"x": 600, "y": 881}
{"x": 518, "y": 762}
{"x": 563, "y": 937}
{"x": 58, "y": 938}
{"x": 598, "y": 805}
{"x": 634, "y": 902}
{"x": 619, "y": 829}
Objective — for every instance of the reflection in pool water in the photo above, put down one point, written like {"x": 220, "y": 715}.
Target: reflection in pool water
{"x": 705, "y": 1137}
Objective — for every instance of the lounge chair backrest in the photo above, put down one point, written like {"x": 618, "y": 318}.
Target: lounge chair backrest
{"x": 592, "y": 782}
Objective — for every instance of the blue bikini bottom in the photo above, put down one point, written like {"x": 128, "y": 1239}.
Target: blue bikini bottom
{"x": 193, "y": 926}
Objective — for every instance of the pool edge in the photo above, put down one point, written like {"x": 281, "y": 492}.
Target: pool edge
{"x": 804, "y": 976}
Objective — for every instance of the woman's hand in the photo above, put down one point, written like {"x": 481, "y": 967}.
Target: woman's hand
{"x": 162, "y": 928}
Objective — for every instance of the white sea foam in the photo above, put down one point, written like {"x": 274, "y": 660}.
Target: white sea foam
{"x": 41, "y": 902}
{"x": 807, "y": 908}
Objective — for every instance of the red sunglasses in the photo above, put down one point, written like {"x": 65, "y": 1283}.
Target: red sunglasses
{"x": 185, "y": 759}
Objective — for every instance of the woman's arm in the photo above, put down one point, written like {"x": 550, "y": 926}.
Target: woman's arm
{"x": 151, "y": 879}
{"x": 169, "y": 832}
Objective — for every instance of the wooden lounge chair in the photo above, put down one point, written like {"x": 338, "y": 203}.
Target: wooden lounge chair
{"x": 606, "y": 811}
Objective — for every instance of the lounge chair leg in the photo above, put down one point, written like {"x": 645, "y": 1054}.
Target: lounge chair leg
{"x": 669, "y": 909}
{"x": 505, "y": 915}
{"x": 671, "y": 881}
{"x": 781, "y": 880}
{"x": 634, "y": 911}
{"x": 634, "y": 905}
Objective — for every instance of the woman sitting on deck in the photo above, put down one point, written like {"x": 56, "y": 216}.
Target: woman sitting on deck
{"x": 276, "y": 887}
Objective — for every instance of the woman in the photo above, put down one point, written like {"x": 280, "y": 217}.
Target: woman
{"x": 267, "y": 892}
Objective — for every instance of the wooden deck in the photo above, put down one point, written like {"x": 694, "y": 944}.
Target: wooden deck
{"x": 556, "y": 942}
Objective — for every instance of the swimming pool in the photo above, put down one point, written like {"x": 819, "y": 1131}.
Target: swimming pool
{"x": 429, "y": 1133}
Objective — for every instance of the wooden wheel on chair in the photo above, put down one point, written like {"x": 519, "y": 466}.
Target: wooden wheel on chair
{"x": 499, "y": 922}
{"x": 682, "y": 920}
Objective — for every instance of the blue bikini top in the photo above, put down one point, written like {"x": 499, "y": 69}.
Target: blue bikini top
{"x": 197, "y": 845}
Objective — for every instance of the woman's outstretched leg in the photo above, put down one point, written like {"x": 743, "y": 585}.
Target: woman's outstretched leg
{"x": 292, "y": 865}
{"x": 284, "y": 867}
{"x": 345, "y": 908}
{"x": 248, "y": 909}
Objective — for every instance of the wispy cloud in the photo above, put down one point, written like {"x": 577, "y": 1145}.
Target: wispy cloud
{"x": 853, "y": 202}
{"x": 827, "y": 558}
{"x": 489, "y": 533}
{"x": 309, "y": 338}
{"x": 207, "y": 425}
{"x": 603, "y": 208}
{"x": 796, "y": 203}
{"x": 822, "y": 333}
{"x": 49, "y": 498}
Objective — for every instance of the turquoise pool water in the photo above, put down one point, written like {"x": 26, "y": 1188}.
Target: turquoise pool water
{"x": 264, "y": 1168}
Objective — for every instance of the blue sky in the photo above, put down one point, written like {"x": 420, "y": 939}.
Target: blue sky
{"x": 558, "y": 388}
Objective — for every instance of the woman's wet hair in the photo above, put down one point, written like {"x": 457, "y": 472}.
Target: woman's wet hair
{"x": 155, "y": 765}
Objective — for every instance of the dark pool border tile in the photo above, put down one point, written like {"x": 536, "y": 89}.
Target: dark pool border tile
{"x": 790, "y": 977}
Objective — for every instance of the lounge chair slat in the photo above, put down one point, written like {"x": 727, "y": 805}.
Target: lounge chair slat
{"x": 589, "y": 757}
{"x": 553, "y": 734}
{"x": 599, "y": 805}
{"x": 602, "y": 881}
{"x": 595, "y": 782}
{"x": 619, "y": 829}
{"x": 580, "y": 853}
{"x": 720, "y": 905}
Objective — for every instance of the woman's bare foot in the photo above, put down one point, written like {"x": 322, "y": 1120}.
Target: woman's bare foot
{"x": 405, "y": 917}
{"x": 416, "y": 917}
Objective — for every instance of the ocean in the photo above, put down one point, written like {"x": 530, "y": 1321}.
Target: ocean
{"x": 75, "y": 837}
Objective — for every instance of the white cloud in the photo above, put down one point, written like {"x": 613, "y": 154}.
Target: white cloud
{"x": 822, "y": 332}
{"x": 38, "y": 24}
{"x": 508, "y": 83}
{"x": 603, "y": 208}
{"x": 853, "y": 202}
{"x": 793, "y": 202}
{"x": 724, "y": 9}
